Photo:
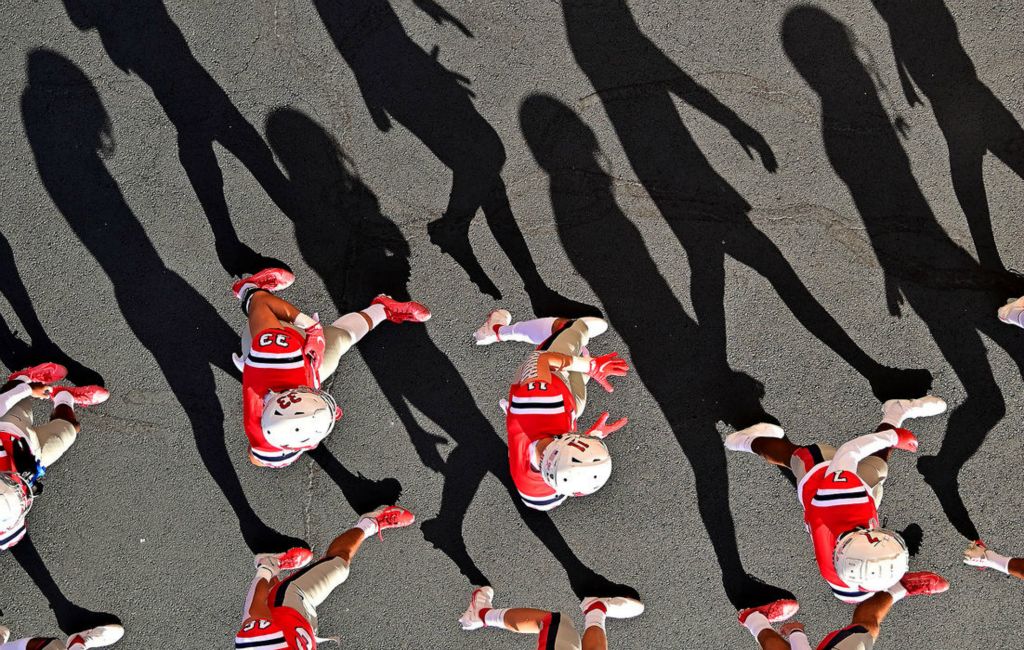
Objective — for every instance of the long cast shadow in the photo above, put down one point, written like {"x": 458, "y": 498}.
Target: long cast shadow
{"x": 69, "y": 132}
{"x": 358, "y": 253}
{"x": 638, "y": 86}
{"x": 141, "y": 38}
{"x": 686, "y": 381}
{"x": 929, "y": 54}
{"x": 71, "y": 618}
{"x": 400, "y": 81}
{"x": 952, "y": 293}
{"x": 16, "y": 353}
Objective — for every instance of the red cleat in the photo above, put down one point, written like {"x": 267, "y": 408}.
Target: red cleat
{"x": 390, "y": 517}
{"x": 400, "y": 312}
{"x": 924, "y": 583}
{"x": 44, "y": 373}
{"x": 775, "y": 612}
{"x": 293, "y": 558}
{"x": 83, "y": 395}
{"x": 269, "y": 279}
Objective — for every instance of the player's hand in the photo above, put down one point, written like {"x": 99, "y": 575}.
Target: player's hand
{"x": 602, "y": 429}
{"x": 906, "y": 440}
{"x": 40, "y": 390}
{"x": 605, "y": 366}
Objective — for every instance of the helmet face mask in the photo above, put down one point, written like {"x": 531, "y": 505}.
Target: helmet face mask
{"x": 298, "y": 419}
{"x": 15, "y": 500}
{"x": 871, "y": 559}
{"x": 576, "y": 465}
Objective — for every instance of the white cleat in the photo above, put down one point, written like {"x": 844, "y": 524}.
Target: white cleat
{"x": 743, "y": 439}
{"x": 98, "y": 637}
{"x": 618, "y": 607}
{"x": 1012, "y": 313}
{"x": 5, "y": 634}
{"x": 481, "y": 599}
{"x": 239, "y": 361}
{"x": 895, "y": 411}
{"x": 486, "y": 334}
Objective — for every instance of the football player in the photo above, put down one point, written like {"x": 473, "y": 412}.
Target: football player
{"x": 860, "y": 634}
{"x": 97, "y": 637}
{"x": 27, "y": 449}
{"x": 549, "y": 460}
{"x": 840, "y": 491}
{"x": 554, "y": 631}
{"x": 280, "y": 614}
{"x": 285, "y": 356}
{"x": 979, "y": 555}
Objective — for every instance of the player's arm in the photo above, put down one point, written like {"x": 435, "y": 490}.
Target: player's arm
{"x": 851, "y": 453}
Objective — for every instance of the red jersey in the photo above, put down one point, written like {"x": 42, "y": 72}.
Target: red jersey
{"x": 9, "y": 538}
{"x": 536, "y": 410}
{"x": 286, "y": 630}
{"x": 275, "y": 362}
{"x": 833, "y": 505}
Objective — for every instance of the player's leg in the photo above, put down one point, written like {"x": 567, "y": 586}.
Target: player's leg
{"x": 263, "y": 309}
{"x": 978, "y": 555}
{"x": 56, "y": 436}
{"x": 758, "y": 621}
{"x": 522, "y": 620}
{"x": 571, "y": 338}
{"x": 596, "y": 610}
{"x": 268, "y": 567}
{"x": 350, "y": 328}
{"x": 321, "y": 578}
{"x": 499, "y": 328}
{"x": 896, "y": 411}
{"x": 766, "y": 440}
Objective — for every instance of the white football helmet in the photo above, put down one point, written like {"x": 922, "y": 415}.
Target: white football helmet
{"x": 576, "y": 465}
{"x": 299, "y": 418}
{"x": 872, "y": 560}
{"x": 15, "y": 500}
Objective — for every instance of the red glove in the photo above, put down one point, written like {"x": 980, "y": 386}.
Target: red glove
{"x": 315, "y": 344}
{"x": 608, "y": 365}
{"x": 602, "y": 429}
{"x": 907, "y": 441}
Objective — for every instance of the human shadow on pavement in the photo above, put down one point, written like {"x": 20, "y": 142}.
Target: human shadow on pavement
{"x": 16, "y": 353}
{"x": 923, "y": 267}
{"x": 142, "y": 39}
{"x": 687, "y": 381}
{"x": 358, "y": 253}
{"x": 930, "y": 56}
{"x": 401, "y": 82}
{"x": 69, "y": 132}
{"x": 71, "y": 618}
{"x": 639, "y": 86}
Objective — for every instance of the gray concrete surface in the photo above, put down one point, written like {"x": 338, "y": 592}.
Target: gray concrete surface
{"x": 133, "y": 524}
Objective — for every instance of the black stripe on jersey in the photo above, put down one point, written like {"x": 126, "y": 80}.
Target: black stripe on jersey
{"x": 241, "y": 644}
{"x": 844, "y": 635}
{"x": 539, "y": 406}
{"x": 255, "y": 356}
{"x": 556, "y": 620}
{"x": 279, "y": 598}
{"x": 859, "y": 494}
{"x": 551, "y": 339}
{"x": 545, "y": 501}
